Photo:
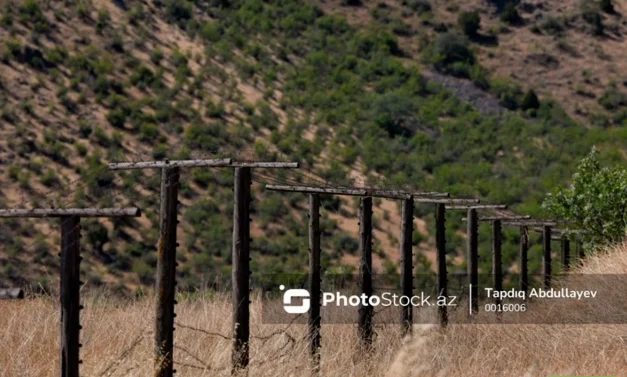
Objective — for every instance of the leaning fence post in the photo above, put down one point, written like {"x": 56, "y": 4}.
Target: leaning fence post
{"x": 407, "y": 270}
{"x": 524, "y": 247}
{"x": 546, "y": 259}
{"x": 496, "y": 257}
{"x": 241, "y": 267}
{"x": 314, "y": 281}
{"x": 70, "y": 295}
{"x": 166, "y": 273}
{"x": 365, "y": 269}
{"x": 473, "y": 259}
{"x": 440, "y": 244}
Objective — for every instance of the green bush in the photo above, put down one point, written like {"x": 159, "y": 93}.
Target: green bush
{"x": 450, "y": 49}
{"x": 508, "y": 93}
{"x": 595, "y": 200}
{"x": 116, "y": 117}
{"x": 178, "y": 11}
{"x": 530, "y": 101}
{"x": 469, "y": 22}
{"x": 510, "y": 14}
{"x": 613, "y": 98}
{"x": 418, "y": 6}
{"x": 148, "y": 132}
{"x": 607, "y": 6}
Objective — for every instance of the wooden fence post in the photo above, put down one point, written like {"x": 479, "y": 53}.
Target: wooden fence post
{"x": 314, "y": 281}
{"x": 241, "y": 268}
{"x": 365, "y": 269}
{"x": 166, "y": 273}
{"x": 473, "y": 259}
{"x": 524, "y": 247}
{"x": 579, "y": 247}
{"x": 496, "y": 257}
{"x": 546, "y": 259}
{"x": 440, "y": 244}
{"x": 407, "y": 263}
{"x": 70, "y": 295}
{"x": 565, "y": 253}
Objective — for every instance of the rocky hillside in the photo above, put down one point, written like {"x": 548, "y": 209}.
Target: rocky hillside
{"x": 384, "y": 93}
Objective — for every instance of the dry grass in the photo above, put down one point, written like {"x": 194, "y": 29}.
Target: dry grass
{"x": 117, "y": 341}
{"x": 529, "y": 350}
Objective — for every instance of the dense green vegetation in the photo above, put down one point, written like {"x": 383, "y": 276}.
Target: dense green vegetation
{"x": 596, "y": 201}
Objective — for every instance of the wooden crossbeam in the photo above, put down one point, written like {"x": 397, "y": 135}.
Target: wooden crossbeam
{"x": 449, "y": 201}
{"x": 363, "y": 191}
{"x": 504, "y": 218}
{"x": 169, "y": 164}
{"x": 532, "y": 222}
{"x": 560, "y": 231}
{"x": 477, "y": 206}
{"x": 63, "y": 212}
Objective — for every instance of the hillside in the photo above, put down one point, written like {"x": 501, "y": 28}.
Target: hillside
{"x": 342, "y": 89}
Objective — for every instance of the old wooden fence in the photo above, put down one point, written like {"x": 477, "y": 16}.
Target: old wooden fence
{"x": 166, "y": 261}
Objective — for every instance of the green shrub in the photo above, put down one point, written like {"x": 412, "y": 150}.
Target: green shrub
{"x": 142, "y": 76}
{"x": 508, "y": 93}
{"x": 607, "y": 6}
{"x": 117, "y": 117}
{"x": 449, "y": 49}
{"x": 418, "y": 6}
{"x": 148, "y": 132}
{"x": 551, "y": 26}
{"x": 30, "y": 11}
{"x": 595, "y": 200}
{"x": 103, "y": 20}
{"x": 594, "y": 19}
{"x": 530, "y": 101}
{"x": 156, "y": 56}
{"x": 510, "y": 14}
{"x": 178, "y": 11}
{"x": 49, "y": 179}
{"x": 84, "y": 128}
{"x": 469, "y": 22}
{"x": 612, "y": 98}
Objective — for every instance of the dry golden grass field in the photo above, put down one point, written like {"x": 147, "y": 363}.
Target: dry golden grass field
{"x": 117, "y": 341}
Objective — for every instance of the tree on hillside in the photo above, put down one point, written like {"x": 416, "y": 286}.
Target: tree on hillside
{"x": 596, "y": 200}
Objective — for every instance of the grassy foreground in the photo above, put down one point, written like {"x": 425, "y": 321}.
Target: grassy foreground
{"x": 117, "y": 341}
{"x": 529, "y": 350}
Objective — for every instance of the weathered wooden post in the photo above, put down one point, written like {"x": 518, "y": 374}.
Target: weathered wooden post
{"x": 407, "y": 263}
{"x": 496, "y": 257}
{"x": 166, "y": 273}
{"x": 365, "y": 269}
{"x": 546, "y": 256}
{"x": 579, "y": 247}
{"x": 69, "y": 339}
{"x": 524, "y": 271}
{"x": 241, "y": 267}
{"x": 70, "y": 295}
{"x": 472, "y": 259}
{"x": 565, "y": 252}
{"x": 440, "y": 244}
{"x": 314, "y": 281}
